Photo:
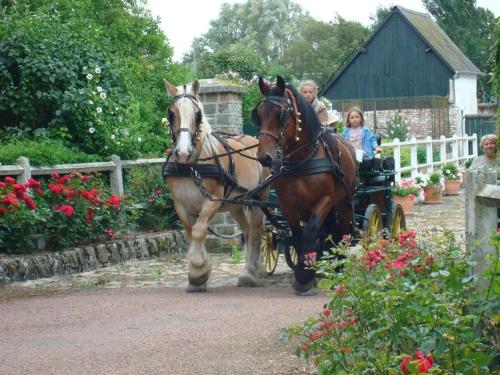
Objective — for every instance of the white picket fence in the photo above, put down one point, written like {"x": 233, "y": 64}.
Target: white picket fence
{"x": 453, "y": 149}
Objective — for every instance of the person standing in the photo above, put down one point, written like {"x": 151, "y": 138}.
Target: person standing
{"x": 490, "y": 158}
{"x": 360, "y": 136}
{"x": 309, "y": 90}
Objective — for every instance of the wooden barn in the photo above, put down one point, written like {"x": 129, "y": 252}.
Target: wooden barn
{"x": 410, "y": 67}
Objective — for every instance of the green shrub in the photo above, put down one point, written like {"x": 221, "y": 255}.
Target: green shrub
{"x": 148, "y": 190}
{"x": 397, "y": 127}
{"x": 44, "y": 152}
{"x": 67, "y": 210}
{"x": 403, "y": 305}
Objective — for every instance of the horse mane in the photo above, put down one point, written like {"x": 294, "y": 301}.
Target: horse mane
{"x": 310, "y": 121}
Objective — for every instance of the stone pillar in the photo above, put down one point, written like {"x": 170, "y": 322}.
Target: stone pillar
{"x": 482, "y": 197}
{"x": 222, "y": 104}
{"x": 222, "y": 107}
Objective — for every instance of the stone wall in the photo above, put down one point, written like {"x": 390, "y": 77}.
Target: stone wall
{"x": 222, "y": 107}
{"x": 33, "y": 266}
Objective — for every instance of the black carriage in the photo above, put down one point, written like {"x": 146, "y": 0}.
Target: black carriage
{"x": 375, "y": 213}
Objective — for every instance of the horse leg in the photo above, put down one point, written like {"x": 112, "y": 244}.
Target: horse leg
{"x": 304, "y": 277}
{"x": 199, "y": 265}
{"x": 251, "y": 241}
{"x": 186, "y": 219}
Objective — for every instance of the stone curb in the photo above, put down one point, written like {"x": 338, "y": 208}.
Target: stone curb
{"x": 88, "y": 258}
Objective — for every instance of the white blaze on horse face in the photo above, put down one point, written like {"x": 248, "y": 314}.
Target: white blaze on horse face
{"x": 187, "y": 117}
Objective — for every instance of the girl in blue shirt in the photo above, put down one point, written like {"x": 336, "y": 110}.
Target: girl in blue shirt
{"x": 355, "y": 132}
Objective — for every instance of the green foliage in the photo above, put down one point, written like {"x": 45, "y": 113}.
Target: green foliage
{"x": 472, "y": 29}
{"x": 94, "y": 81}
{"x": 281, "y": 40}
{"x": 147, "y": 189}
{"x": 450, "y": 172}
{"x": 402, "y": 307}
{"x": 235, "y": 255}
{"x": 397, "y": 127}
{"x": 231, "y": 59}
{"x": 43, "y": 152}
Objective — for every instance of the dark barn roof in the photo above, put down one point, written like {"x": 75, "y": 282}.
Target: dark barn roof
{"x": 425, "y": 32}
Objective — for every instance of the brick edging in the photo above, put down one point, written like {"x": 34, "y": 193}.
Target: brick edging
{"x": 90, "y": 257}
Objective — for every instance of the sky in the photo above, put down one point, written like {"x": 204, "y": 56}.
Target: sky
{"x": 183, "y": 20}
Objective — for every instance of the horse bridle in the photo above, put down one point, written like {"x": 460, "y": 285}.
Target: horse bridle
{"x": 198, "y": 119}
{"x": 290, "y": 109}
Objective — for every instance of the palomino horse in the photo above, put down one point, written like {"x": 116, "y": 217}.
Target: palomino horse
{"x": 203, "y": 170}
{"x": 317, "y": 172}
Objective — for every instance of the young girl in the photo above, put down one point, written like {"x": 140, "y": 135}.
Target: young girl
{"x": 355, "y": 132}
{"x": 309, "y": 90}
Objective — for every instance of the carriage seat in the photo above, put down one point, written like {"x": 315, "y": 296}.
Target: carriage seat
{"x": 375, "y": 171}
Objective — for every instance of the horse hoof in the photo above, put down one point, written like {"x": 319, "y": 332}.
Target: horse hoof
{"x": 306, "y": 289}
{"x": 308, "y": 293}
{"x": 198, "y": 281}
{"x": 248, "y": 280}
{"x": 196, "y": 288}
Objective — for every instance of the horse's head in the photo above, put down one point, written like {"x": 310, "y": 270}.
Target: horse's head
{"x": 185, "y": 116}
{"x": 278, "y": 119}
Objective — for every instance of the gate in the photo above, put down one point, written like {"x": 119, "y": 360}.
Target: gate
{"x": 481, "y": 125}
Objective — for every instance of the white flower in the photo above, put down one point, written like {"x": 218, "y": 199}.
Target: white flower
{"x": 91, "y": 130}
{"x": 91, "y": 102}
{"x": 89, "y": 76}
{"x": 113, "y": 137}
{"x": 99, "y": 88}
{"x": 97, "y": 70}
{"x": 139, "y": 139}
{"x": 164, "y": 120}
{"x": 103, "y": 96}
{"x": 125, "y": 131}
{"x": 98, "y": 109}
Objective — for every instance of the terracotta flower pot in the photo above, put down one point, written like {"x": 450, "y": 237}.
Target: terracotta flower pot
{"x": 452, "y": 187}
{"x": 406, "y": 202}
{"x": 433, "y": 194}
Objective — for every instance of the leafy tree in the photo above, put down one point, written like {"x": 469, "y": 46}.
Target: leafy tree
{"x": 94, "y": 81}
{"x": 471, "y": 28}
{"x": 233, "y": 58}
{"x": 379, "y": 17}
{"x": 320, "y": 48}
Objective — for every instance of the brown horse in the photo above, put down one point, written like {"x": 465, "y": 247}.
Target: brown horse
{"x": 317, "y": 172}
{"x": 224, "y": 166}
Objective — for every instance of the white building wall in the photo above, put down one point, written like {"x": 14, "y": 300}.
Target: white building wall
{"x": 465, "y": 95}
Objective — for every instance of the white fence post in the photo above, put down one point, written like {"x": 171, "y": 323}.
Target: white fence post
{"x": 413, "y": 157}
{"x": 474, "y": 145}
{"x": 454, "y": 149}
{"x": 25, "y": 164}
{"x": 116, "y": 177}
{"x": 429, "y": 154}
{"x": 442, "y": 149}
{"x": 397, "y": 158}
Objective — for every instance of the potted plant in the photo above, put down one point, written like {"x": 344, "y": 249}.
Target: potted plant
{"x": 404, "y": 192}
{"x": 451, "y": 179}
{"x": 433, "y": 187}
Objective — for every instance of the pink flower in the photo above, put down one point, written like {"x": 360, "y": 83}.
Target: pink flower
{"x": 56, "y": 189}
{"x": 10, "y": 180}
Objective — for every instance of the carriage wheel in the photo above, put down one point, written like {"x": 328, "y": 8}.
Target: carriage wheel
{"x": 372, "y": 223}
{"x": 291, "y": 257}
{"x": 397, "y": 221}
{"x": 269, "y": 252}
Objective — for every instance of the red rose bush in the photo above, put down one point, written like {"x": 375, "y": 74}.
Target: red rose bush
{"x": 66, "y": 210}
